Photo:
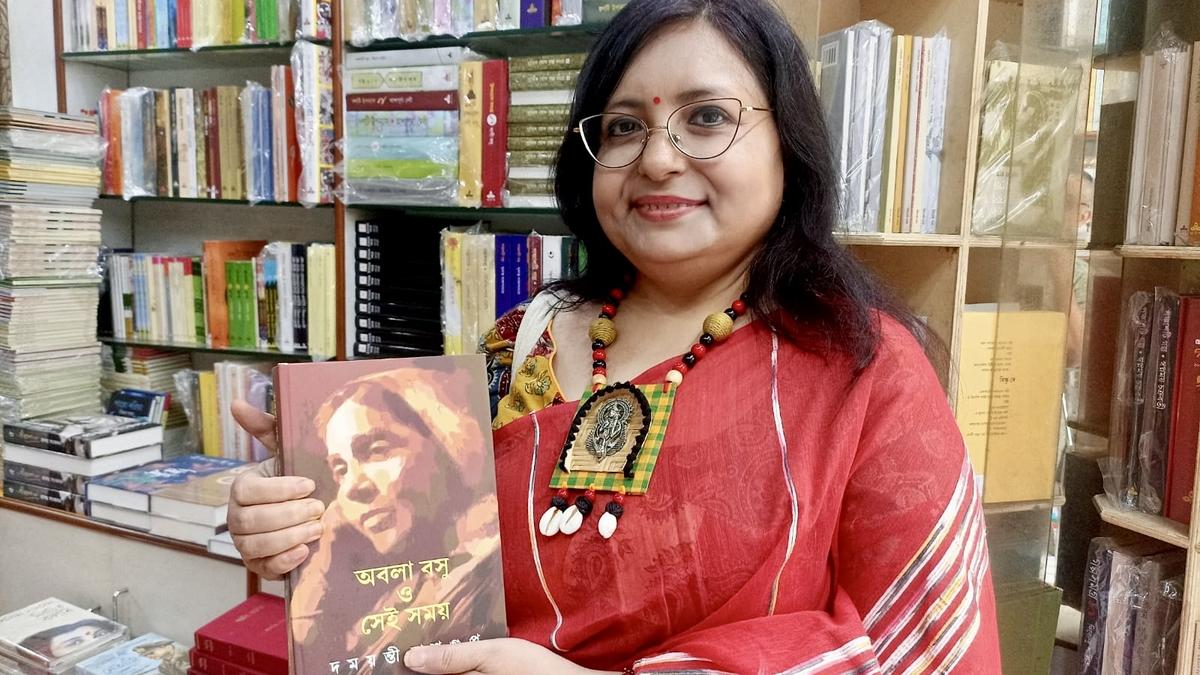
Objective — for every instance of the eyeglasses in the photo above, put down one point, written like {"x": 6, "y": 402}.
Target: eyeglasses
{"x": 701, "y": 130}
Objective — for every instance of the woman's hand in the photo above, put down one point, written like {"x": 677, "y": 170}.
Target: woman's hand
{"x": 269, "y": 517}
{"x": 505, "y": 656}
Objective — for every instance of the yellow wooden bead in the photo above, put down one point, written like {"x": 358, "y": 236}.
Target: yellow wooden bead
{"x": 674, "y": 377}
{"x": 603, "y": 330}
{"x": 599, "y": 380}
{"x": 718, "y": 325}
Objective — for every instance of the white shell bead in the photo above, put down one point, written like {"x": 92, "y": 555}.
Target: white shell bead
{"x": 608, "y": 525}
{"x": 550, "y": 521}
{"x": 571, "y": 521}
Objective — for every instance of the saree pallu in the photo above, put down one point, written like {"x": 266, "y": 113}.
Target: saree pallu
{"x": 799, "y": 520}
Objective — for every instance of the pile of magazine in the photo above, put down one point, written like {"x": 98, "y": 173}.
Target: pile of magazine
{"x": 53, "y": 636}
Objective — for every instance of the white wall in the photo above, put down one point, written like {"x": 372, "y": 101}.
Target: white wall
{"x": 31, "y": 42}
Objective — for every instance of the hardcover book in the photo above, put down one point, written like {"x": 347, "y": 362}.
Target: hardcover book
{"x": 400, "y": 451}
{"x": 53, "y": 636}
{"x": 140, "y": 656}
{"x": 131, "y": 489}
{"x": 252, "y": 635}
{"x": 88, "y": 436}
{"x": 202, "y": 499}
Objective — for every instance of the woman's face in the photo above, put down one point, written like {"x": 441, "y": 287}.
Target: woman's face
{"x": 666, "y": 209}
{"x": 68, "y": 642}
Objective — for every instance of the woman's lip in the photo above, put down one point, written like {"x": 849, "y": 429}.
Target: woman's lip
{"x": 665, "y": 200}
{"x": 661, "y": 213}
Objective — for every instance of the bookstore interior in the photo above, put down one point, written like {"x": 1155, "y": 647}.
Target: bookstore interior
{"x": 204, "y": 201}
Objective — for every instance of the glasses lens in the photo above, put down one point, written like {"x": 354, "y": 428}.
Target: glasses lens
{"x": 705, "y": 129}
{"x": 614, "y": 140}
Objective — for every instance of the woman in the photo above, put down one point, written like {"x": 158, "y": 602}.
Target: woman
{"x": 811, "y": 508}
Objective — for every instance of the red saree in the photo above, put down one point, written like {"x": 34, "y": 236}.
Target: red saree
{"x": 798, "y": 521}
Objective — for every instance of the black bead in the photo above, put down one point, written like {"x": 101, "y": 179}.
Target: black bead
{"x": 745, "y": 297}
{"x": 559, "y": 503}
{"x": 707, "y": 340}
{"x": 689, "y": 360}
{"x": 616, "y": 509}
{"x": 731, "y": 314}
{"x": 583, "y": 504}
{"x": 606, "y": 315}
{"x": 599, "y": 364}
{"x": 598, "y": 344}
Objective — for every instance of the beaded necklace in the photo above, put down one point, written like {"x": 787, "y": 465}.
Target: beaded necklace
{"x": 618, "y": 430}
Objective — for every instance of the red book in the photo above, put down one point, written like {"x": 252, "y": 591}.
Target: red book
{"x": 534, "y": 249}
{"x": 293, "y": 148}
{"x": 413, "y": 100}
{"x": 183, "y": 24}
{"x": 212, "y": 148}
{"x": 208, "y": 664}
{"x": 495, "y": 131}
{"x": 253, "y": 634}
{"x": 1185, "y": 414}
{"x": 556, "y": 12}
{"x": 142, "y": 15}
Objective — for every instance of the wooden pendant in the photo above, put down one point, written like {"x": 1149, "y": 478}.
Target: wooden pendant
{"x": 608, "y": 432}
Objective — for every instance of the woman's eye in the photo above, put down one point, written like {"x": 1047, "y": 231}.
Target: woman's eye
{"x": 622, "y": 127}
{"x": 711, "y": 116}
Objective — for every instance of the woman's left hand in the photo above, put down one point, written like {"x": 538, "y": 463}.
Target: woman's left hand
{"x": 504, "y": 656}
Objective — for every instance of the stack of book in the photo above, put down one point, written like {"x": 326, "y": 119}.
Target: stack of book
{"x": 312, "y": 72}
{"x": 1156, "y": 399}
{"x": 396, "y": 284}
{"x": 223, "y": 142}
{"x": 49, "y": 169}
{"x": 146, "y": 655}
{"x": 1133, "y": 595}
{"x": 370, "y": 20}
{"x": 486, "y": 275}
{"x": 1164, "y": 180}
{"x": 251, "y": 638}
{"x": 111, "y": 25}
{"x": 185, "y": 498}
{"x": 542, "y": 88}
{"x": 884, "y": 98}
{"x": 24, "y": 649}
{"x": 234, "y": 381}
{"x": 51, "y": 461}
{"x": 148, "y": 370}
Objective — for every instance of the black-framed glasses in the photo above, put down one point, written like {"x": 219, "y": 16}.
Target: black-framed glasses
{"x": 701, "y": 130}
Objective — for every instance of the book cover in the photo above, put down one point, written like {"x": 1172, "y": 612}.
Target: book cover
{"x": 470, "y": 141}
{"x": 140, "y": 656}
{"x": 1095, "y": 607}
{"x": 207, "y": 664}
{"x": 83, "y": 435}
{"x": 1150, "y": 628}
{"x": 1185, "y": 233}
{"x": 132, "y": 488}
{"x": 28, "y": 474}
{"x": 52, "y": 635}
{"x": 199, "y": 499}
{"x": 495, "y": 132}
{"x": 1129, "y": 396}
{"x": 60, "y": 500}
{"x": 1185, "y": 415}
{"x": 216, "y": 254}
{"x": 253, "y": 634}
{"x": 1159, "y": 385}
{"x": 416, "y": 558}
{"x": 533, "y": 14}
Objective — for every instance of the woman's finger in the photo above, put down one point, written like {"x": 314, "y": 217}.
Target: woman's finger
{"x": 467, "y": 657}
{"x": 270, "y": 544}
{"x": 260, "y": 518}
{"x": 256, "y": 423}
{"x": 275, "y": 567}
{"x": 250, "y": 488}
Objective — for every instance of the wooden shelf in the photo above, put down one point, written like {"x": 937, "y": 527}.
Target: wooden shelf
{"x": 523, "y": 42}
{"x": 898, "y": 239}
{"x": 996, "y": 241}
{"x": 192, "y": 201}
{"x": 230, "y": 351}
{"x": 1160, "y": 252}
{"x": 218, "y": 56}
{"x": 87, "y": 523}
{"x": 1156, "y": 527}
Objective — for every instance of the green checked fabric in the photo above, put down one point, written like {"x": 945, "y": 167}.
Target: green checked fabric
{"x": 660, "y": 402}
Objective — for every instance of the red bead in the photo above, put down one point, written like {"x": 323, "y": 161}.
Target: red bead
{"x": 590, "y": 494}
{"x": 599, "y": 355}
{"x": 699, "y": 351}
{"x": 739, "y": 307}
{"x": 680, "y": 366}
{"x": 609, "y": 309}
{"x": 619, "y": 498}
{"x": 562, "y": 492}
{"x": 599, "y": 371}
{"x": 617, "y": 294}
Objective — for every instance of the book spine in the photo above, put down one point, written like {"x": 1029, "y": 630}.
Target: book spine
{"x": 543, "y": 80}
{"x": 162, "y": 146}
{"x": 38, "y": 476}
{"x": 1185, "y": 411}
{"x": 539, "y": 114}
{"x": 533, "y": 14}
{"x": 173, "y": 130}
{"x": 495, "y": 132}
{"x": 54, "y": 499}
{"x": 236, "y": 655}
{"x": 42, "y": 440}
{"x": 533, "y": 247}
{"x": 1155, "y": 436}
{"x": 1095, "y": 609}
{"x": 414, "y": 100}
{"x": 1189, "y": 187}
{"x": 211, "y": 665}
{"x": 470, "y": 141}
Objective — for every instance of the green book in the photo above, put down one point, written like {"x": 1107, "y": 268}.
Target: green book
{"x": 598, "y": 11}
{"x": 529, "y": 64}
{"x": 198, "y": 299}
{"x": 1027, "y": 618}
{"x": 267, "y": 16}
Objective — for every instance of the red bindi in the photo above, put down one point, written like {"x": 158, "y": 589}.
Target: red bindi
{"x": 657, "y": 100}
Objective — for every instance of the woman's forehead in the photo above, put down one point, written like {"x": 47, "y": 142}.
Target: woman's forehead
{"x": 682, "y": 60}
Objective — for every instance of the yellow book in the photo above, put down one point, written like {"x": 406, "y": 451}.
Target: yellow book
{"x": 210, "y": 418}
{"x": 237, "y": 20}
{"x": 893, "y": 181}
{"x": 470, "y": 133}
{"x": 452, "y": 289}
{"x": 1009, "y": 399}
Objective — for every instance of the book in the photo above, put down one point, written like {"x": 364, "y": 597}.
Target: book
{"x": 52, "y": 636}
{"x": 1185, "y": 419}
{"x": 202, "y": 499}
{"x": 64, "y": 463}
{"x": 132, "y": 488}
{"x": 127, "y": 518}
{"x": 1095, "y": 609}
{"x": 1154, "y": 438}
{"x": 60, "y": 500}
{"x": 141, "y": 656}
{"x": 216, "y": 255}
{"x": 150, "y": 406}
{"x": 253, "y": 634}
{"x": 15, "y": 472}
{"x": 1129, "y": 396}
{"x": 391, "y": 573}
{"x": 207, "y": 664}
{"x": 89, "y": 436}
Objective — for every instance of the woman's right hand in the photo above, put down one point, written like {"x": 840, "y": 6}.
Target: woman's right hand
{"x": 270, "y": 517}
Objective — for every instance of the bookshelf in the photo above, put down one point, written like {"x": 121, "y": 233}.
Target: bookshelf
{"x": 271, "y": 354}
{"x": 936, "y": 274}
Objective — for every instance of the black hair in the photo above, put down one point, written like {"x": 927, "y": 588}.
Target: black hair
{"x": 801, "y": 281}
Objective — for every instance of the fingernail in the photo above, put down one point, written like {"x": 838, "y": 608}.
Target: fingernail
{"x": 298, "y": 554}
{"x": 415, "y": 657}
{"x": 314, "y": 531}
{"x": 307, "y": 486}
{"x": 317, "y": 509}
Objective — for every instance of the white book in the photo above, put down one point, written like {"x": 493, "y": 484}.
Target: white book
{"x": 279, "y": 149}
{"x": 222, "y": 545}
{"x": 552, "y": 262}
{"x": 58, "y": 461}
{"x": 555, "y": 97}
{"x": 1191, "y": 138}
{"x": 837, "y": 100}
{"x": 531, "y": 202}
{"x": 1137, "y": 168}
{"x": 530, "y": 173}
{"x": 509, "y": 15}
{"x": 405, "y": 57}
{"x": 410, "y": 78}
{"x": 185, "y": 129}
{"x": 1154, "y": 186}
{"x": 183, "y": 531}
{"x": 877, "y": 149}
{"x": 285, "y": 333}
{"x": 1180, "y": 88}
{"x": 136, "y": 520}
{"x": 935, "y": 144}
{"x": 246, "y": 107}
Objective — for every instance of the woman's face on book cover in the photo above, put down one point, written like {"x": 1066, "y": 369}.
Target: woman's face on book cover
{"x": 387, "y": 472}
{"x": 667, "y": 209}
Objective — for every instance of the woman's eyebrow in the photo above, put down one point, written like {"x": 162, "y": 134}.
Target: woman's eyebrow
{"x": 687, "y": 96}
